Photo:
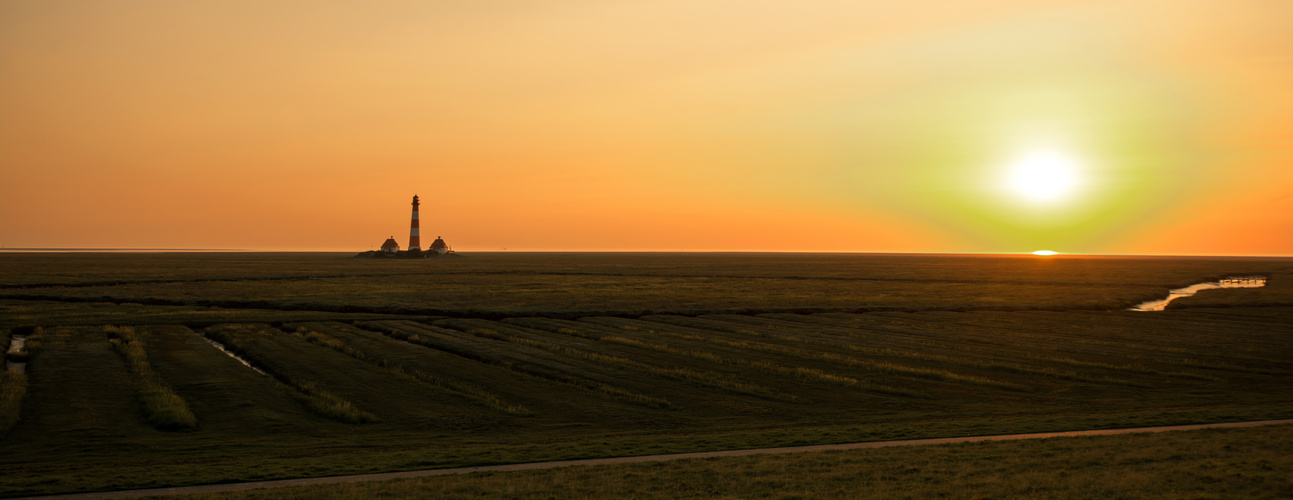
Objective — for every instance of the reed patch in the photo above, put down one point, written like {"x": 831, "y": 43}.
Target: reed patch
{"x": 163, "y": 408}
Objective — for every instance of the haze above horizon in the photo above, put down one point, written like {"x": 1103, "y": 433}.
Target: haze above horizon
{"x": 1141, "y": 127}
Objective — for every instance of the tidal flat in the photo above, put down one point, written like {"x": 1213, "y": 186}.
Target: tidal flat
{"x": 386, "y": 365}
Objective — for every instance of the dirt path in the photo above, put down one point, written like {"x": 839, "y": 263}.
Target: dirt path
{"x": 212, "y": 488}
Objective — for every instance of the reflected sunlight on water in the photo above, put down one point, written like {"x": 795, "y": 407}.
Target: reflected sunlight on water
{"x": 1244, "y": 282}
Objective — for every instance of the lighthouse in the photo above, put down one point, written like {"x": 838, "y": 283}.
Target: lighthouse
{"x": 414, "y": 241}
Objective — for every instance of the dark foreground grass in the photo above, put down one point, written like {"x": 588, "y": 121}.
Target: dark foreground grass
{"x": 1213, "y": 463}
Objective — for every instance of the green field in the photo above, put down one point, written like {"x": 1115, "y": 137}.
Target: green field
{"x": 379, "y": 365}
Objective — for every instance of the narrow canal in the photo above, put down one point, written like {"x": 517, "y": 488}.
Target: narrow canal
{"x": 1244, "y": 282}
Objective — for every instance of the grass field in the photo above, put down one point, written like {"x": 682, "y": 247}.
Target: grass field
{"x": 379, "y": 365}
{"x": 1231, "y": 463}
{"x": 575, "y": 285}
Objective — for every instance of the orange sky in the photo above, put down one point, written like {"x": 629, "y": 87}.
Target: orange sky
{"x": 647, "y": 125}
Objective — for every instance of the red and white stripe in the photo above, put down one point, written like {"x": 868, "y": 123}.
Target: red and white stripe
{"x": 415, "y": 243}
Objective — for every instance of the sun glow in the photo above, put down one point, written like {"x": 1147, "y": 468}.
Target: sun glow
{"x": 1043, "y": 176}
{"x": 1045, "y": 253}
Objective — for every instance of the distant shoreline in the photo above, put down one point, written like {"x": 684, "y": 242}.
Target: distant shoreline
{"x": 92, "y": 250}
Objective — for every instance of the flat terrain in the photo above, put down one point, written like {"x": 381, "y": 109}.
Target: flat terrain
{"x": 573, "y": 285}
{"x": 384, "y": 365}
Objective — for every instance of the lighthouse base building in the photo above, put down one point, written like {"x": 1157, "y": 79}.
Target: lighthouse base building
{"x": 440, "y": 247}
{"x": 390, "y": 246}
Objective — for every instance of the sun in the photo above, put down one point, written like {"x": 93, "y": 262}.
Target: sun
{"x": 1043, "y": 177}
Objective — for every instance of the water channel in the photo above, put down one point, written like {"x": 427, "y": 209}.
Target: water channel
{"x": 230, "y": 353}
{"x": 15, "y": 345}
{"x": 1242, "y": 282}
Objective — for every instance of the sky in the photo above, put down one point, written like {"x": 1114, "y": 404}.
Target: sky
{"x": 1123, "y": 127}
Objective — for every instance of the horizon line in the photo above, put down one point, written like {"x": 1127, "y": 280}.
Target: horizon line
{"x": 873, "y": 252}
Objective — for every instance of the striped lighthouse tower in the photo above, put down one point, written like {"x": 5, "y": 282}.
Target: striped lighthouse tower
{"x": 415, "y": 242}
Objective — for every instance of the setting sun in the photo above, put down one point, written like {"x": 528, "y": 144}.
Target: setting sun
{"x": 1043, "y": 176}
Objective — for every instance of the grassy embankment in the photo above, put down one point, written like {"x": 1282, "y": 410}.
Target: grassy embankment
{"x": 468, "y": 390}
{"x": 163, "y": 408}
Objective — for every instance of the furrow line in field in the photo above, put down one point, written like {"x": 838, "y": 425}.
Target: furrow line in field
{"x": 1208, "y": 330}
{"x": 622, "y": 337}
{"x": 1062, "y": 346}
{"x": 441, "y": 340}
{"x": 1054, "y": 329}
{"x": 793, "y": 342}
{"x": 1048, "y": 326}
{"x": 467, "y": 391}
{"x": 708, "y": 379}
{"x": 983, "y": 352}
{"x": 433, "y": 373}
{"x": 314, "y": 398}
{"x": 877, "y": 366}
{"x": 969, "y": 331}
